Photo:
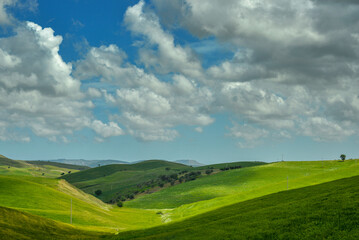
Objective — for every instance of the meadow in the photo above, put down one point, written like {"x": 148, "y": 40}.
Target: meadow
{"x": 296, "y": 200}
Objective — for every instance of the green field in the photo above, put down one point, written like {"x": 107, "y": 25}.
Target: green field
{"x": 36, "y": 168}
{"x": 51, "y": 198}
{"x": 223, "y": 204}
{"x": 325, "y": 211}
{"x": 24, "y": 226}
{"x": 122, "y": 179}
{"x": 228, "y": 187}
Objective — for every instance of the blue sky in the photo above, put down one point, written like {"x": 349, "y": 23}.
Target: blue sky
{"x": 207, "y": 80}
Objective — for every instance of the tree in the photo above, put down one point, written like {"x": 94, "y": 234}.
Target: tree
{"x": 98, "y": 192}
{"x": 119, "y": 204}
{"x": 342, "y": 157}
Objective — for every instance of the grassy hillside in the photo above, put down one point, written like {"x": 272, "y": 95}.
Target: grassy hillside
{"x": 224, "y": 188}
{"x": 232, "y": 164}
{"x": 325, "y": 211}
{"x": 56, "y": 164}
{"x": 51, "y": 198}
{"x": 99, "y": 172}
{"x": 35, "y": 168}
{"x": 123, "y": 179}
{"x": 7, "y": 162}
{"x": 18, "y": 225}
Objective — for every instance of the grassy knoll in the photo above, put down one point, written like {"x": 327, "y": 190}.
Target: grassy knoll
{"x": 123, "y": 179}
{"x": 51, "y": 198}
{"x": 209, "y": 193}
{"x": 231, "y": 164}
{"x": 35, "y": 168}
{"x": 325, "y": 211}
{"x": 24, "y": 226}
{"x": 56, "y": 164}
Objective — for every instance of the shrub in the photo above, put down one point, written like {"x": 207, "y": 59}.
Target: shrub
{"x": 98, "y": 192}
{"x": 119, "y": 204}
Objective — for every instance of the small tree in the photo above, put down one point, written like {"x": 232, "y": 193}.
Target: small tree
{"x": 98, "y": 192}
{"x": 119, "y": 204}
{"x": 342, "y": 157}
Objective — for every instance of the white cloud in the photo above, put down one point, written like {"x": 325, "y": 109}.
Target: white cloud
{"x": 5, "y": 18}
{"x": 322, "y": 129}
{"x": 106, "y": 130}
{"x": 149, "y": 109}
{"x": 168, "y": 57}
{"x": 249, "y": 136}
{"x": 36, "y": 87}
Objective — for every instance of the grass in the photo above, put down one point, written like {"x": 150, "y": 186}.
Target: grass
{"x": 231, "y": 164}
{"x": 56, "y": 164}
{"x": 24, "y": 226}
{"x": 51, "y": 198}
{"x": 35, "y": 168}
{"x": 121, "y": 179}
{"x": 225, "y": 188}
{"x": 325, "y": 211}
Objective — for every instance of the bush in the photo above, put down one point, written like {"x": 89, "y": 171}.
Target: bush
{"x": 98, "y": 192}
{"x": 119, "y": 204}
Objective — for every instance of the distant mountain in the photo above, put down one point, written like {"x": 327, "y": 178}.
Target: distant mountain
{"x": 89, "y": 163}
{"x": 192, "y": 163}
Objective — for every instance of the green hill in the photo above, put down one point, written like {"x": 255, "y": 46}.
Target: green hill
{"x": 56, "y": 164}
{"x": 123, "y": 180}
{"x": 35, "y": 168}
{"x": 18, "y": 225}
{"x": 4, "y": 161}
{"x": 228, "y": 187}
{"x": 51, "y": 198}
{"x": 324, "y": 211}
{"x": 231, "y": 164}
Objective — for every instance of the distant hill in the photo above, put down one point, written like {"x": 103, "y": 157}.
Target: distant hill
{"x": 4, "y": 161}
{"x": 57, "y": 164}
{"x": 89, "y": 163}
{"x": 192, "y": 163}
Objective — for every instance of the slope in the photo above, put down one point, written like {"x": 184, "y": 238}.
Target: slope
{"x": 123, "y": 180}
{"x": 35, "y": 168}
{"x": 52, "y": 198}
{"x": 324, "y": 211}
{"x": 204, "y": 194}
{"x": 56, "y": 164}
{"x": 24, "y": 226}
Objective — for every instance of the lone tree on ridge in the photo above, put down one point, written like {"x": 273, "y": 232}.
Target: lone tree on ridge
{"x": 342, "y": 157}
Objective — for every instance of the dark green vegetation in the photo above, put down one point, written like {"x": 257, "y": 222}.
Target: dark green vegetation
{"x": 324, "y": 211}
{"x": 231, "y": 164}
{"x": 19, "y": 225}
{"x": 56, "y": 164}
{"x": 124, "y": 181}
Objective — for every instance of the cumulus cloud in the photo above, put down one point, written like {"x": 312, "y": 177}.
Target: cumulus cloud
{"x": 291, "y": 60}
{"x": 5, "y": 18}
{"x": 167, "y": 57}
{"x": 37, "y": 89}
{"x": 248, "y": 135}
{"x": 106, "y": 130}
{"x": 149, "y": 108}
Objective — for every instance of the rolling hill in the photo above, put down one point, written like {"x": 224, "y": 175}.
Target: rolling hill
{"x": 19, "y": 225}
{"x": 325, "y": 211}
{"x": 51, "y": 198}
{"x": 123, "y": 180}
{"x": 228, "y": 187}
{"x": 88, "y": 163}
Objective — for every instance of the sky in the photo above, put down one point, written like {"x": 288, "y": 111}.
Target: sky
{"x": 209, "y": 80}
